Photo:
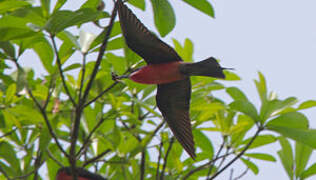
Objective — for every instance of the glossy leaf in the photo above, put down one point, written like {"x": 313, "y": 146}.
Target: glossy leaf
{"x": 138, "y": 3}
{"x": 202, "y": 5}
{"x": 302, "y": 155}
{"x": 310, "y": 171}
{"x": 286, "y": 156}
{"x": 64, "y": 19}
{"x": 8, "y": 154}
{"x": 307, "y": 104}
{"x": 12, "y": 27}
{"x": 45, "y": 7}
{"x": 8, "y": 48}
{"x": 260, "y": 141}
{"x": 261, "y": 87}
{"x": 261, "y": 156}
{"x": 252, "y": 166}
{"x": 289, "y": 120}
{"x": 204, "y": 143}
{"x": 164, "y": 16}
{"x": 11, "y": 5}
{"x": 245, "y": 107}
{"x": 236, "y": 94}
{"x": 59, "y": 4}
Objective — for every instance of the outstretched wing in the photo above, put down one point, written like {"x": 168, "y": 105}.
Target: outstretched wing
{"x": 173, "y": 100}
{"x": 142, "y": 41}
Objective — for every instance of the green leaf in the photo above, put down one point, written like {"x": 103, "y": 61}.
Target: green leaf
{"x": 185, "y": 52}
{"x": 260, "y": 141}
{"x": 261, "y": 87}
{"x": 245, "y": 107}
{"x": 252, "y": 166}
{"x": 204, "y": 143}
{"x": 273, "y": 107}
{"x": 12, "y": 27}
{"x": 289, "y": 120}
{"x": 117, "y": 62}
{"x": 11, "y": 5}
{"x": 307, "y": 104}
{"x": 72, "y": 67}
{"x": 311, "y": 171}
{"x": 45, "y": 7}
{"x": 138, "y": 3}
{"x": 202, "y": 5}
{"x": 306, "y": 136}
{"x": 302, "y": 155}
{"x": 261, "y": 156}
{"x": 8, "y": 48}
{"x": 236, "y": 94}
{"x": 114, "y": 44}
{"x": 45, "y": 52}
{"x": 164, "y": 16}
{"x": 10, "y": 93}
{"x": 44, "y": 139}
{"x": 230, "y": 76}
{"x": 59, "y": 4}
{"x": 9, "y": 155}
{"x": 286, "y": 156}
{"x": 64, "y": 19}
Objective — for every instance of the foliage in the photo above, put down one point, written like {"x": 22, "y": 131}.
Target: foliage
{"x": 71, "y": 118}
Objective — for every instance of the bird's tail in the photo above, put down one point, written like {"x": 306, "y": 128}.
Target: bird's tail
{"x": 207, "y": 67}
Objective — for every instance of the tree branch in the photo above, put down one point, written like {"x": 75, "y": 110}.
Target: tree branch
{"x": 86, "y": 142}
{"x": 166, "y": 158}
{"x": 203, "y": 166}
{"x": 43, "y": 112}
{"x": 61, "y": 70}
{"x": 81, "y": 104}
{"x": 142, "y": 165}
{"x": 96, "y": 158}
{"x": 217, "y": 154}
{"x": 159, "y": 158}
{"x": 260, "y": 128}
{"x": 101, "y": 94}
{"x": 83, "y": 72}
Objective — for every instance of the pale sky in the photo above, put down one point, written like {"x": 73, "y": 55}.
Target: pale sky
{"x": 276, "y": 37}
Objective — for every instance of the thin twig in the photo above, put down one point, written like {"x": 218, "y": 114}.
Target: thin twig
{"x": 101, "y": 53}
{"x": 217, "y": 154}
{"x": 204, "y": 166}
{"x": 61, "y": 70}
{"x": 83, "y": 72}
{"x": 50, "y": 92}
{"x": 101, "y": 94}
{"x": 242, "y": 174}
{"x": 94, "y": 159}
{"x": 8, "y": 133}
{"x": 231, "y": 174}
{"x": 142, "y": 164}
{"x": 29, "y": 173}
{"x": 166, "y": 159}
{"x": 240, "y": 154}
{"x": 53, "y": 158}
{"x": 159, "y": 160}
{"x": 43, "y": 112}
{"x": 86, "y": 142}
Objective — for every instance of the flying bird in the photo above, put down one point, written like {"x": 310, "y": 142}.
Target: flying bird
{"x": 166, "y": 69}
{"x": 65, "y": 174}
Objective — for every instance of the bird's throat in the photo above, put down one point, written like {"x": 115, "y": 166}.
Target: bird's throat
{"x": 158, "y": 73}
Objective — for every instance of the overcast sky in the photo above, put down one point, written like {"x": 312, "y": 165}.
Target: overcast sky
{"x": 276, "y": 37}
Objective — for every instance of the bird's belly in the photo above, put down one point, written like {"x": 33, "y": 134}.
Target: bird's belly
{"x": 158, "y": 73}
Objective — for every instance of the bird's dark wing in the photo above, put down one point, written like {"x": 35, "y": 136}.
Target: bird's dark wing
{"x": 142, "y": 41}
{"x": 173, "y": 100}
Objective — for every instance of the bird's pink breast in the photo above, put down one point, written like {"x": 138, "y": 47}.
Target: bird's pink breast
{"x": 158, "y": 73}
